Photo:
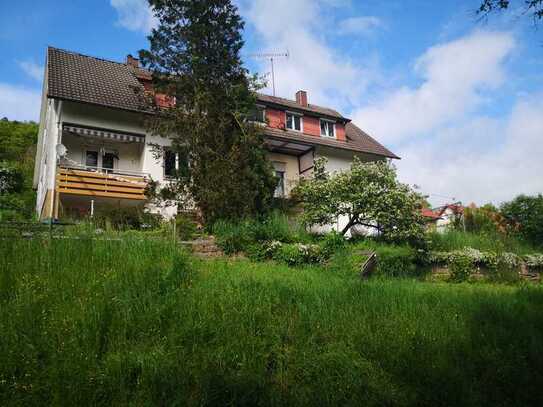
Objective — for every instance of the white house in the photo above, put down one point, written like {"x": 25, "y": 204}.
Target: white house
{"x": 94, "y": 150}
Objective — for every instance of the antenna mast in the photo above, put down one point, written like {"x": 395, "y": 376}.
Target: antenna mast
{"x": 271, "y": 57}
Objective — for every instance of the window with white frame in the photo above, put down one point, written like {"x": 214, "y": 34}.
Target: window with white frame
{"x": 328, "y": 129}
{"x": 280, "y": 169}
{"x": 280, "y": 187}
{"x": 294, "y": 121}
{"x": 258, "y": 114}
{"x": 175, "y": 163}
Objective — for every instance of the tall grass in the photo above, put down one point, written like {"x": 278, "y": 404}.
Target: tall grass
{"x": 454, "y": 240}
{"x": 94, "y": 322}
{"x": 237, "y": 236}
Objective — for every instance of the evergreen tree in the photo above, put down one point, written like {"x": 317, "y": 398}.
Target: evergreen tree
{"x": 194, "y": 55}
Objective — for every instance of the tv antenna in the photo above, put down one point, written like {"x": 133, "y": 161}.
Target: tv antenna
{"x": 271, "y": 57}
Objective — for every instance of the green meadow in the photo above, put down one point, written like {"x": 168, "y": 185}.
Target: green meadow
{"x": 139, "y": 322}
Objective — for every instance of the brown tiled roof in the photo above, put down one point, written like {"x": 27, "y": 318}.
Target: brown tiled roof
{"x": 360, "y": 145}
{"x": 81, "y": 78}
{"x": 365, "y": 142}
{"x": 72, "y": 76}
{"x": 291, "y": 104}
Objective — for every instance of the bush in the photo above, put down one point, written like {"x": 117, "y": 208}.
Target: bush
{"x": 525, "y": 213}
{"x": 298, "y": 254}
{"x": 397, "y": 261}
{"x": 534, "y": 262}
{"x": 185, "y": 227}
{"x": 127, "y": 219}
{"x": 332, "y": 243}
{"x": 234, "y": 237}
{"x": 461, "y": 267}
{"x": 498, "y": 267}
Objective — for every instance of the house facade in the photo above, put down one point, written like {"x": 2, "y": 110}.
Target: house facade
{"x": 94, "y": 150}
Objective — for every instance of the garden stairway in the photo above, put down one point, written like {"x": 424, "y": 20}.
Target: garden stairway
{"x": 203, "y": 247}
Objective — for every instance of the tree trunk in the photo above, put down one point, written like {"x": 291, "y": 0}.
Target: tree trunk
{"x": 349, "y": 224}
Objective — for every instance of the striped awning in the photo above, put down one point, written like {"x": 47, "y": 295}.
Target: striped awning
{"x": 104, "y": 134}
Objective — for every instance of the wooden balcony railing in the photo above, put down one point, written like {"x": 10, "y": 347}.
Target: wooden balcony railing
{"x": 94, "y": 183}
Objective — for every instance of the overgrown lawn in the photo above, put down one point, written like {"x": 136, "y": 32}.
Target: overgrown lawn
{"x": 138, "y": 322}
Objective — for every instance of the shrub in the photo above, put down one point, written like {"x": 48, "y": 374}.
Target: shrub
{"x": 461, "y": 266}
{"x": 396, "y": 261}
{"x": 332, "y": 242}
{"x": 185, "y": 227}
{"x": 534, "y": 262}
{"x": 234, "y": 237}
{"x": 124, "y": 218}
{"x": 297, "y": 254}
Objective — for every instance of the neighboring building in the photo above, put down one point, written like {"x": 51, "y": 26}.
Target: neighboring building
{"x": 448, "y": 214}
{"x": 94, "y": 150}
{"x": 431, "y": 218}
{"x": 443, "y": 217}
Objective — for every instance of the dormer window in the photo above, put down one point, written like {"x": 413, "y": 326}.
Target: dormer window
{"x": 294, "y": 121}
{"x": 258, "y": 114}
{"x": 328, "y": 129}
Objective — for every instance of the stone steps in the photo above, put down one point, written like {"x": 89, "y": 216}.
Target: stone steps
{"x": 204, "y": 247}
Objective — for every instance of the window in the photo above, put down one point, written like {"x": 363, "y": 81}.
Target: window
{"x": 327, "y": 129}
{"x": 175, "y": 164}
{"x": 91, "y": 158}
{"x": 280, "y": 188}
{"x": 258, "y": 114}
{"x": 108, "y": 161}
{"x": 294, "y": 122}
{"x": 170, "y": 163}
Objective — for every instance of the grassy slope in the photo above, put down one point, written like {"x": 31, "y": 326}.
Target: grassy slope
{"x": 95, "y": 322}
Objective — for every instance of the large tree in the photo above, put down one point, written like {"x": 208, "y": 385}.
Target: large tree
{"x": 526, "y": 212}
{"x": 533, "y": 8}
{"x": 369, "y": 194}
{"x": 194, "y": 56}
{"x": 17, "y": 150}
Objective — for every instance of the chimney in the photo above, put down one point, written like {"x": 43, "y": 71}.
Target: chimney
{"x": 131, "y": 61}
{"x": 301, "y": 97}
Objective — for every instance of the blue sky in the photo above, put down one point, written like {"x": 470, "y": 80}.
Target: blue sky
{"x": 460, "y": 100}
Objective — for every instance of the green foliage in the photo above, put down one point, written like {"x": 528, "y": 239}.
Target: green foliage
{"x": 136, "y": 322}
{"x": 238, "y": 236}
{"x": 534, "y": 262}
{"x": 485, "y": 219}
{"x": 185, "y": 227}
{"x": 17, "y": 149}
{"x": 297, "y": 254}
{"x": 496, "y": 242}
{"x": 461, "y": 267}
{"x": 194, "y": 55}
{"x": 369, "y": 194}
{"x": 497, "y": 266}
{"x": 396, "y": 261}
{"x": 332, "y": 243}
{"x": 126, "y": 218}
{"x": 527, "y": 213}
{"x": 532, "y": 7}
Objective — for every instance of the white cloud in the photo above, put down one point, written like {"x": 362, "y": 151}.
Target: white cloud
{"x": 32, "y": 69}
{"x": 364, "y": 25}
{"x": 330, "y": 78}
{"x": 134, "y": 15}
{"x": 455, "y": 76}
{"x": 482, "y": 160}
{"x": 18, "y": 103}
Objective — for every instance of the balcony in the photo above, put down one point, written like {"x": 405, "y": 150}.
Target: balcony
{"x": 100, "y": 182}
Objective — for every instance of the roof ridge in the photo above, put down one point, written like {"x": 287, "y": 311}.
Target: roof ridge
{"x": 66, "y": 51}
{"x": 309, "y": 105}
